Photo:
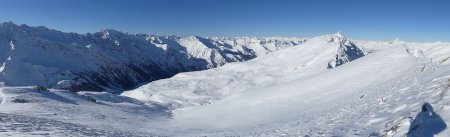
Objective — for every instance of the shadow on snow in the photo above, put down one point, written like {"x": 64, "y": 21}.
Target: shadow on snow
{"x": 427, "y": 123}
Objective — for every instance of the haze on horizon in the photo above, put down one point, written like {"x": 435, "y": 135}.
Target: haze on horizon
{"x": 410, "y": 20}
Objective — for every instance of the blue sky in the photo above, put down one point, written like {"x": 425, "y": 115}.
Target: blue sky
{"x": 411, "y": 20}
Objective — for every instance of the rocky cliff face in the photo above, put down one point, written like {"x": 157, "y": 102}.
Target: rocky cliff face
{"x": 346, "y": 52}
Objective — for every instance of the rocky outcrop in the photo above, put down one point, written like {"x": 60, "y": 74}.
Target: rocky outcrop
{"x": 346, "y": 52}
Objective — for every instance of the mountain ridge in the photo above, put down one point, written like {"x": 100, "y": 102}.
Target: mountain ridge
{"x": 112, "y": 60}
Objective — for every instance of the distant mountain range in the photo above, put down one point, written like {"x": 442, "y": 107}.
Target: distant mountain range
{"x": 115, "y": 61}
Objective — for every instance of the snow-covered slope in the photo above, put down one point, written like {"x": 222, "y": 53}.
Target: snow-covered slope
{"x": 291, "y": 92}
{"x": 28, "y": 111}
{"x": 113, "y": 61}
{"x": 319, "y": 91}
{"x": 204, "y": 87}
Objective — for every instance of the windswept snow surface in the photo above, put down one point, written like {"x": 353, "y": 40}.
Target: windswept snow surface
{"x": 318, "y": 92}
{"x": 26, "y": 111}
{"x": 290, "y": 92}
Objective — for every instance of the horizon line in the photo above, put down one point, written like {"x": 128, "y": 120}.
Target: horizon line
{"x": 245, "y": 36}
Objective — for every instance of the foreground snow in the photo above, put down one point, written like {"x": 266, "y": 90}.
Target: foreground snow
{"x": 395, "y": 89}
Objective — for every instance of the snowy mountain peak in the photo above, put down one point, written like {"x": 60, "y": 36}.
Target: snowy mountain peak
{"x": 339, "y": 35}
{"x": 109, "y": 33}
{"x": 397, "y": 41}
{"x": 336, "y": 38}
{"x": 346, "y": 52}
{"x": 7, "y": 27}
{"x": 339, "y": 38}
{"x": 7, "y": 24}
